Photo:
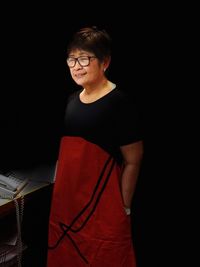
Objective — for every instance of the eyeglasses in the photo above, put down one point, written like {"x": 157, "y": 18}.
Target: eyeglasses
{"x": 83, "y": 61}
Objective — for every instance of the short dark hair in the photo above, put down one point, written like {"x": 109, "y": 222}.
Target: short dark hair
{"x": 93, "y": 40}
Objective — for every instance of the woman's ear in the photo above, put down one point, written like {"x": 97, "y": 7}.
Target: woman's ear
{"x": 106, "y": 63}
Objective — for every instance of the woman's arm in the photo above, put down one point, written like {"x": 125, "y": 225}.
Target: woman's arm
{"x": 132, "y": 155}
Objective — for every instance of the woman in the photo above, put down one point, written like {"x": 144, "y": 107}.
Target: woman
{"x": 98, "y": 164}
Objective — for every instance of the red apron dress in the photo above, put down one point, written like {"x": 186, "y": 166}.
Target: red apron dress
{"x": 88, "y": 225}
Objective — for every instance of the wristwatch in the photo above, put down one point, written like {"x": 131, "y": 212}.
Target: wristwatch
{"x": 127, "y": 210}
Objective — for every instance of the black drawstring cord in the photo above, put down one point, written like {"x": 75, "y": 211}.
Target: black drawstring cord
{"x": 67, "y": 228}
{"x": 87, "y": 205}
{"x": 77, "y": 248}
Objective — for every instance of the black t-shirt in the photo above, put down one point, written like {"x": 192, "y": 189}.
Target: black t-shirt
{"x": 110, "y": 122}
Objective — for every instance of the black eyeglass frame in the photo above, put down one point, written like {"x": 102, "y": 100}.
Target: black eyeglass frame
{"x": 78, "y": 59}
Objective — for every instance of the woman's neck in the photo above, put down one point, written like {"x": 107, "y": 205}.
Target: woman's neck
{"x": 91, "y": 94}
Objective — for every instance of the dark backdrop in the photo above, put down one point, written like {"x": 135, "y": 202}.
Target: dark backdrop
{"x": 35, "y": 84}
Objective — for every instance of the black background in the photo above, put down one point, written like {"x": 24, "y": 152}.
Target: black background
{"x": 35, "y": 83}
{"x": 35, "y": 80}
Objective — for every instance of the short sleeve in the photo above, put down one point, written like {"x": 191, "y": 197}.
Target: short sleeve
{"x": 129, "y": 122}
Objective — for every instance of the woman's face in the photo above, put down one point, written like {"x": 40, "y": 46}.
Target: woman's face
{"x": 86, "y": 69}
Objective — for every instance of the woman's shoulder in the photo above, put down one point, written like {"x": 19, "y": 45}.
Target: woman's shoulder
{"x": 123, "y": 97}
{"x": 74, "y": 95}
{"x": 127, "y": 102}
